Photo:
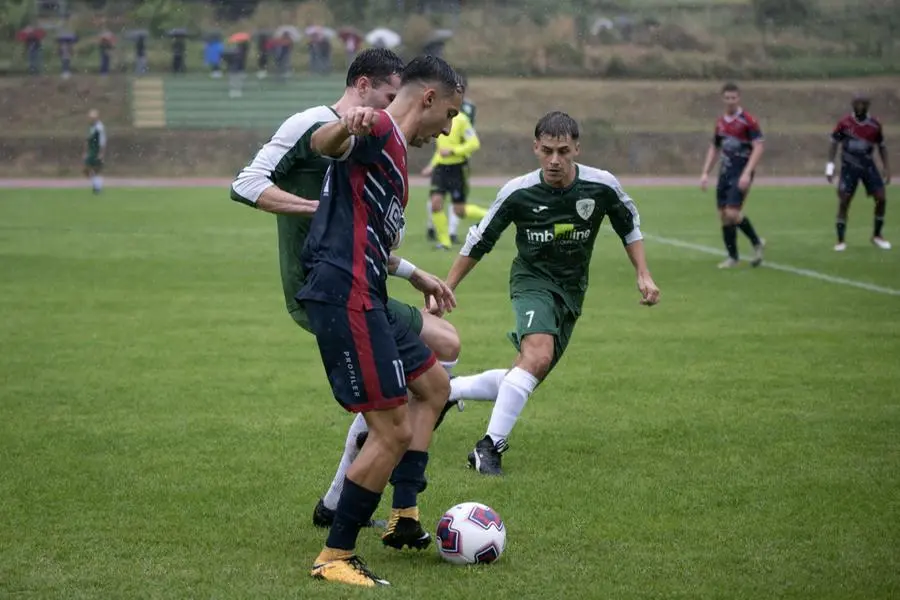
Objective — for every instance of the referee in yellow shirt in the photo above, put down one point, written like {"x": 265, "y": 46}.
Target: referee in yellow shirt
{"x": 448, "y": 170}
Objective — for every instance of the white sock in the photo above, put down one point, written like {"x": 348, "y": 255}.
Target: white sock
{"x": 428, "y": 212}
{"x": 448, "y": 366}
{"x": 97, "y": 182}
{"x": 454, "y": 222}
{"x": 484, "y": 386}
{"x": 350, "y": 452}
{"x": 514, "y": 391}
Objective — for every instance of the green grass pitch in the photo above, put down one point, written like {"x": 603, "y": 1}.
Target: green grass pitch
{"x": 165, "y": 429}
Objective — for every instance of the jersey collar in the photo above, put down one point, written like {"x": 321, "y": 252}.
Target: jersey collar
{"x": 557, "y": 190}
{"x": 398, "y": 130}
{"x": 735, "y": 116}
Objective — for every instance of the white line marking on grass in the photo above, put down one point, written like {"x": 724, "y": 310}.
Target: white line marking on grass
{"x": 871, "y": 287}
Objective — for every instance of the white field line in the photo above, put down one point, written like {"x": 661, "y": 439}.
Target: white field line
{"x": 780, "y": 267}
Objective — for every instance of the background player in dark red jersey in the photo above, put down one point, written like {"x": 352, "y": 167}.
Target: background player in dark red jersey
{"x": 739, "y": 140}
{"x": 369, "y": 359}
{"x": 858, "y": 134}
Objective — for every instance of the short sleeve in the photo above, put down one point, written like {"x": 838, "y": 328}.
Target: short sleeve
{"x": 366, "y": 148}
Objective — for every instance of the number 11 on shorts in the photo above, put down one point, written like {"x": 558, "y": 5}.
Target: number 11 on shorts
{"x": 530, "y": 315}
{"x": 398, "y": 369}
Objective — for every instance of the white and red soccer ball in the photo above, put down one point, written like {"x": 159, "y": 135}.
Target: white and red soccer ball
{"x": 471, "y": 533}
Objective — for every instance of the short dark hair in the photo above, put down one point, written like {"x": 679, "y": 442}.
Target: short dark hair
{"x": 556, "y": 124}
{"x": 731, "y": 87}
{"x": 377, "y": 64}
{"x": 432, "y": 69}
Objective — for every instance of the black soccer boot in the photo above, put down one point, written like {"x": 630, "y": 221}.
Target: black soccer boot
{"x": 454, "y": 239}
{"x": 404, "y": 529}
{"x": 485, "y": 458}
{"x": 431, "y": 235}
{"x": 323, "y": 517}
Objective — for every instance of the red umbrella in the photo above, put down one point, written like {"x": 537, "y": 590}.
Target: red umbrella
{"x": 31, "y": 33}
{"x": 346, "y": 33}
{"x": 240, "y": 37}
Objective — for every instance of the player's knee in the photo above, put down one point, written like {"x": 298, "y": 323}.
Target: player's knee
{"x": 402, "y": 437}
{"x": 459, "y": 209}
{"x": 437, "y": 202}
{"x": 441, "y": 337}
{"x": 537, "y": 358}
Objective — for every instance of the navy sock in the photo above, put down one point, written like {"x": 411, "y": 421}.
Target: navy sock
{"x": 879, "y": 223}
{"x": 729, "y": 234}
{"x": 841, "y": 227}
{"x": 354, "y": 509}
{"x": 408, "y": 478}
{"x": 747, "y": 227}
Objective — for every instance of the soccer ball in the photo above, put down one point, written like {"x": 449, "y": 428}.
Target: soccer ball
{"x": 471, "y": 533}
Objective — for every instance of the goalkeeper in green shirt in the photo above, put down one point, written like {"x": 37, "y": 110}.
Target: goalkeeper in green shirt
{"x": 557, "y": 211}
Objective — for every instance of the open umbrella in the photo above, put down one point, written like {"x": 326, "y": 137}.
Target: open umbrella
{"x": 239, "y": 37}
{"x": 66, "y": 36}
{"x": 134, "y": 34}
{"x": 346, "y": 33}
{"x": 30, "y": 33}
{"x": 439, "y": 36}
{"x": 318, "y": 30}
{"x": 291, "y": 31}
{"x": 383, "y": 37}
{"x": 107, "y": 37}
{"x": 177, "y": 32}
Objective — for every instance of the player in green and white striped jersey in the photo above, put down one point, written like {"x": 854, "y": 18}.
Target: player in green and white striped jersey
{"x": 285, "y": 178}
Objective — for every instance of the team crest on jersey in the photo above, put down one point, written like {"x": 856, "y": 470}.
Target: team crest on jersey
{"x": 585, "y": 208}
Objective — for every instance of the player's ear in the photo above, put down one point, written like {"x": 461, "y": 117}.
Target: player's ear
{"x": 576, "y": 149}
{"x": 536, "y": 145}
{"x": 429, "y": 97}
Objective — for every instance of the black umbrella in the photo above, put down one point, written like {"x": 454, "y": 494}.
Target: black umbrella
{"x": 66, "y": 36}
{"x": 177, "y": 32}
{"x": 134, "y": 34}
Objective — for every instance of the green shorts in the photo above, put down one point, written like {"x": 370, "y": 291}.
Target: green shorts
{"x": 406, "y": 314}
{"x": 93, "y": 163}
{"x": 542, "y": 311}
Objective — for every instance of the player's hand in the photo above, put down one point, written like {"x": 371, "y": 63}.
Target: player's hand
{"x": 439, "y": 298}
{"x": 445, "y": 152}
{"x": 426, "y": 172}
{"x": 647, "y": 288}
{"x": 704, "y": 182}
{"x": 829, "y": 172}
{"x": 887, "y": 178}
{"x": 744, "y": 182}
{"x": 359, "y": 120}
{"x": 829, "y": 178}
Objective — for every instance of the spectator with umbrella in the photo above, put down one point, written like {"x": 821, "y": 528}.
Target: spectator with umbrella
{"x": 263, "y": 39}
{"x": 33, "y": 38}
{"x": 66, "y": 41}
{"x": 352, "y": 38}
{"x": 383, "y": 37}
{"x": 139, "y": 36}
{"x": 434, "y": 43}
{"x": 285, "y": 38}
{"x": 107, "y": 42}
{"x": 320, "y": 48}
{"x": 179, "y": 48}
{"x": 212, "y": 54}
{"x": 238, "y": 63}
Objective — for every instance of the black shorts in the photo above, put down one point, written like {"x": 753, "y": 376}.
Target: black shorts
{"x": 369, "y": 356}
{"x": 450, "y": 179}
{"x": 851, "y": 175}
{"x": 728, "y": 193}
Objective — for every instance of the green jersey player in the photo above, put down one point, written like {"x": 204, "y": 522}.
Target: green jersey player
{"x": 285, "y": 178}
{"x": 94, "y": 151}
{"x": 557, "y": 211}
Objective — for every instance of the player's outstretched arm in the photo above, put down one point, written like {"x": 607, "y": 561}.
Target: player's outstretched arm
{"x": 439, "y": 298}
{"x": 462, "y": 266}
{"x": 645, "y": 284}
{"x": 882, "y": 151}
{"x": 832, "y": 155}
{"x": 335, "y": 139}
{"x": 711, "y": 155}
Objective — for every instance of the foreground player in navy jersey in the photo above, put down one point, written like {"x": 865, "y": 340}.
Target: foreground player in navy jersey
{"x": 370, "y": 360}
{"x": 739, "y": 139}
{"x": 859, "y": 134}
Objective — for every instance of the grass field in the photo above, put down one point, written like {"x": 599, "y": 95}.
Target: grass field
{"x": 165, "y": 430}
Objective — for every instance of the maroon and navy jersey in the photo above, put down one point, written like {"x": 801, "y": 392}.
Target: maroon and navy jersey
{"x": 360, "y": 216}
{"x": 858, "y": 139}
{"x": 734, "y": 136}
